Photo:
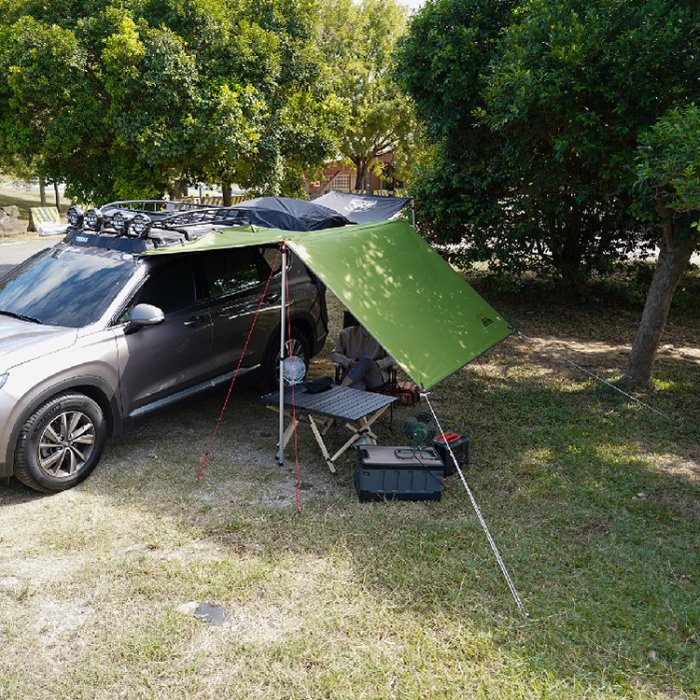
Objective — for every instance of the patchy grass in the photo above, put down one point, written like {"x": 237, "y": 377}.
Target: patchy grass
{"x": 25, "y": 200}
{"x": 594, "y": 502}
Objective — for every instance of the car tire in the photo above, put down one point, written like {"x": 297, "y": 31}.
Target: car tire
{"x": 61, "y": 443}
{"x": 301, "y": 347}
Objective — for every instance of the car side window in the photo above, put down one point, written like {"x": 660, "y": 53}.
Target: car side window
{"x": 170, "y": 287}
{"x": 232, "y": 271}
{"x": 273, "y": 257}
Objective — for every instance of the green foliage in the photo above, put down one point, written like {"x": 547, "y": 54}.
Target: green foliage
{"x": 357, "y": 42}
{"x": 536, "y": 111}
{"x": 123, "y": 98}
{"x": 668, "y": 160}
{"x": 30, "y": 55}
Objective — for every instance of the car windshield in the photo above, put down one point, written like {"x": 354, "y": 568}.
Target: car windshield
{"x": 64, "y": 287}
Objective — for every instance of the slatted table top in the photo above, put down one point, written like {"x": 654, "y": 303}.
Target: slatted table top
{"x": 336, "y": 402}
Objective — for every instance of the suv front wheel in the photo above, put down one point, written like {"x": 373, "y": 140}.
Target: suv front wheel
{"x": 61, "y": 443}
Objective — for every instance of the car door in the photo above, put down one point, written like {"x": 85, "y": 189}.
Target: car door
{"x": 167, "y": 359}
{"x": 234, "y": 280}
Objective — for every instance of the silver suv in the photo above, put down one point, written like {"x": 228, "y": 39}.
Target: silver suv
{"x": 94, "y": 336}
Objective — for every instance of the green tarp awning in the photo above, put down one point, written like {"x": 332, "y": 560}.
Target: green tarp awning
{"x": 396, "y": 285}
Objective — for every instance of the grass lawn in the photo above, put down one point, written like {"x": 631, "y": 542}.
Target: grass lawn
{"x": 26, "y": 199}
{"x": 593, "y": 501}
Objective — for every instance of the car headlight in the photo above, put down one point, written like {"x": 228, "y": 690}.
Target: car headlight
{"x": 140, "y": 225}
{"x": 75, "y": 216}
{"x": 3, "y": 379}
{"x": 93, "y": 219}
{"x": 119, "y": 222}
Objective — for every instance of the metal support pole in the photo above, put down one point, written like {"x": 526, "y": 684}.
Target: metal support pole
{"x": 283, "y": 308}
{"x": 413, "y": 212}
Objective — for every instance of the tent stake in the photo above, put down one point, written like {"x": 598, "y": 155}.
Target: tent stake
{"x": 280, "y": 455}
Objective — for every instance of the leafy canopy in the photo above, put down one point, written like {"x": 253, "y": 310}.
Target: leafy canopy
{"x": 122, "y": 98}
{"x": 357, "y": 42}
{"x": 668, "y": 160}
{"x": 535, "y": 110}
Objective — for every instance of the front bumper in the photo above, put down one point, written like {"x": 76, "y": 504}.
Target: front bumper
{"x": 7, "y": 404}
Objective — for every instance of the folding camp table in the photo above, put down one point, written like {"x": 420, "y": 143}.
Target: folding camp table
{"x": 359, "y": 410}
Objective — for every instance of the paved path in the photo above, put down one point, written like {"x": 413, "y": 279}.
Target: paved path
{"x": 14, "y": 252}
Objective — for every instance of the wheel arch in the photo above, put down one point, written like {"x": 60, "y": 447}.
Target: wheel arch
{"x": 304, "y": 324}
{"x": 93, "y": 387}
{"x": 306, "y": 327}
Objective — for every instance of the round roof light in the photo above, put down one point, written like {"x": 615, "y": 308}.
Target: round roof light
{"x": 75, "y": 216}
{"x": 93, "y": 219}
{"x": 140, "y": 225}
{"x": 119, "y": 222}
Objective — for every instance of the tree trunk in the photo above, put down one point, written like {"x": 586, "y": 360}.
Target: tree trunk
{"x": 42, "y": 191}
{"x": 573, "y": 279}
{"x": 567, "y": 256}
{"x": 673, "y": 260}
{"x": 177, "y": 189}
{"x": 226, "y": 192}
{"x": 57, "y": 195}
{"x": 360, "y": 174}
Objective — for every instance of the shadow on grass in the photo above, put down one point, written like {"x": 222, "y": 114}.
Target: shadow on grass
{"x": 601, "y": 544}
{"x": 585, "y": 495}
{"x": 14, "y": 492}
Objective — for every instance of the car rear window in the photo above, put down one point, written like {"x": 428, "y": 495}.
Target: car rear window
{"x": 64, "y": 287}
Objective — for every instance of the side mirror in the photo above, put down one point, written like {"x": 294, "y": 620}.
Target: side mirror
{"x": 143, "y": 315}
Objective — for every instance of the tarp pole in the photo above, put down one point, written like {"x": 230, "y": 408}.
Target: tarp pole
{"x": 280, "y": 455}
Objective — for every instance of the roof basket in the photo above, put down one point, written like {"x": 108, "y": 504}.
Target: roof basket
{"x": 155, "y": 205}
{"x": 223, "y": 216}
{"x": 151, "y": 218}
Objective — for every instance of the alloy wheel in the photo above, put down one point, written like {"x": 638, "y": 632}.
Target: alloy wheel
{"x": 297, "y": 350}
{"x": 66, "y": 444}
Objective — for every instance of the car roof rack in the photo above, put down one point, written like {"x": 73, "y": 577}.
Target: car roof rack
{"x": 173, "y": 215}
{"x": 154, "y": 205}
{"x": 138, "y": 225}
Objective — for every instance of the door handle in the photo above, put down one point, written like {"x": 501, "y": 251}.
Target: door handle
{"x": 196, "y": 321}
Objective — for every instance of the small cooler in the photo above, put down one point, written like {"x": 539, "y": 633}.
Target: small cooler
{"x": 459, "y": 444}
{"x": 402, "y": 473}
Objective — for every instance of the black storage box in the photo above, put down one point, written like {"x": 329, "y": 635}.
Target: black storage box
{"x": 401, "y": 473}
{"x": 460, "y": 449}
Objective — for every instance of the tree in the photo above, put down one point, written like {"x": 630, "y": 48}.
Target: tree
{"x": 32, "y": 57}
{"x": 535, "y": 109}
{"x": 108, "y": 102}
{"x": 129, "y": 98}
{"x": 357, "y": 42}
{"x": 668, "y": 171}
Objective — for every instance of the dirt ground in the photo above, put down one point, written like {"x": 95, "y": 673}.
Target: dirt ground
{"x": 98, "y": 584}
